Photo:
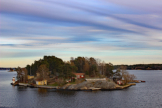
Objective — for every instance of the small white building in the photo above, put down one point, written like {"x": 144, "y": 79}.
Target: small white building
{"x": 13, "y": 80}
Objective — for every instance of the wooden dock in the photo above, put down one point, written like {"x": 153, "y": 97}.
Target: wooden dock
{"x": 94, "y": 89}
{"x": 47, "y": 87}
{"x": 35, "y": 86}
{"x": 23, "y": 84}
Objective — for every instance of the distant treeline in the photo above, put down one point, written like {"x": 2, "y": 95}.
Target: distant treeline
{"x": 2, "y": 68}
{"x": 141, "y": 67}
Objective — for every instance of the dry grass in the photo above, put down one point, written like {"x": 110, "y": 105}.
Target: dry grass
{"x": 124, "y": 86}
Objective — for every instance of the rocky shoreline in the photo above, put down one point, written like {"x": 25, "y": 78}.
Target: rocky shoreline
{"x": 95, "y": 85}
{"x": 84, "y": 86}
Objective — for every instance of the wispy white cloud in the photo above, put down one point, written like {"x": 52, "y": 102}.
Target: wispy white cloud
{"x": 148, "y": 6}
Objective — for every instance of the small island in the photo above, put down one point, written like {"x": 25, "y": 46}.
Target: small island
{"x": 81, "y": 73}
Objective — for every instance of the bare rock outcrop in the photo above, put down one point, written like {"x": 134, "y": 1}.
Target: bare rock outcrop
{"x": 91, "y": 84}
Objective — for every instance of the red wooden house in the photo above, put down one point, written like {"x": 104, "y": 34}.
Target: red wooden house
{"x": 79, "y": 75}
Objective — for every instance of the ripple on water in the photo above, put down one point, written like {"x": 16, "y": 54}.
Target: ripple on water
{"x": 143, "y": 95}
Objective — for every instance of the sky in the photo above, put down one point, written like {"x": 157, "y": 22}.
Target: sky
{"x": 116, "y": 31}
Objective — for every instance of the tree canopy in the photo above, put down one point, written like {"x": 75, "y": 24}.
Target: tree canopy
{"x": 56, "y": 66}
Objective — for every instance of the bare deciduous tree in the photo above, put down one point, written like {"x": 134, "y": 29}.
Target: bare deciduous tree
{"x": 43, "y": 71}
{"x": 22, "y": 74}
{"x": 126, "y": 76}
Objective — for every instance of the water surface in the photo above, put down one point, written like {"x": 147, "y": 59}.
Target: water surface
{"x": 143, "y": 95}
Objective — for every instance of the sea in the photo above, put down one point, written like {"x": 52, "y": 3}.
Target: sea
{"x": 142, "y": 95}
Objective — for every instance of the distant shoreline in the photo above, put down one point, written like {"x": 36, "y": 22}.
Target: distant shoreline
{"x": 144, "y": 69}
{"x": 10, "y": 71}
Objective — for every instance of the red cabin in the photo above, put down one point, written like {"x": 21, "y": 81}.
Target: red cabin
{"x": 79, "y": 75}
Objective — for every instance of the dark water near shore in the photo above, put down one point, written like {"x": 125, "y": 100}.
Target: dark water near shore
{"x": 143, "y": 95}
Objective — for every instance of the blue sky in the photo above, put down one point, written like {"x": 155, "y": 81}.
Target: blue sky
{"x": 120, "y": 32}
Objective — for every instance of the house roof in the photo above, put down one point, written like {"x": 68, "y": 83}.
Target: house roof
{"x": 79, "y": 73}
{"x": 39, "y": 79}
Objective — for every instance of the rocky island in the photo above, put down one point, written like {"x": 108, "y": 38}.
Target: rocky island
{"x": 77, "y": 74}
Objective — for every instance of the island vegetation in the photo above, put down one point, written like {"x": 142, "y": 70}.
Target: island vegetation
{"x": 63, "y": 73}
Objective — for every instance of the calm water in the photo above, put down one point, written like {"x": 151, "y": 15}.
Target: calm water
{"x": 143, "y": 95}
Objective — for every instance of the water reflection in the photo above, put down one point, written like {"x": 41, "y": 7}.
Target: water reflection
{"x": 143, "y": 95}
{"x": 21, "y": 88}
{"x": 42, "y": 90}
{"x": 13, "y": 87}
{"x": 66, "y": 93}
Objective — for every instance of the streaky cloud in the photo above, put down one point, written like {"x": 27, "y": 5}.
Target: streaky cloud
{"x": 104, "y": 12}
{"x": 41, "y": 15}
